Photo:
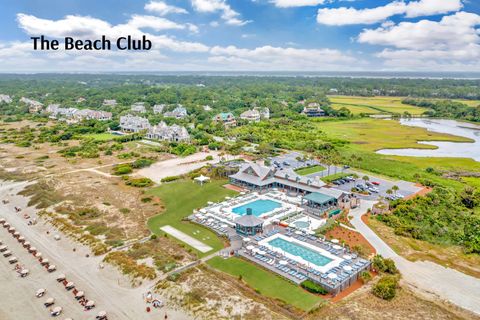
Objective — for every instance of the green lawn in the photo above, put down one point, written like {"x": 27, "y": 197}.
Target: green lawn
{"x": 266, "y": 282}
{"x": 334, "y": 176}
{"x": 180, "y": 198}
{"x": 309, "y": 170}
{"x": 99, "y": 136}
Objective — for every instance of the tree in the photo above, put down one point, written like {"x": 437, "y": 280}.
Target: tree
{"x": 389, "y": 191}
{"x": 395, "y": 188}
{"x": 365, "y": 179}
{"x": 386, "y": 287}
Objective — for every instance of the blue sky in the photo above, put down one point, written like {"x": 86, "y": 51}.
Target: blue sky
{"x": 253, "y": 35}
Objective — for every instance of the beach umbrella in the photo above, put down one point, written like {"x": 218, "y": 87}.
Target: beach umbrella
{"x": 7, "y": 253}
{"x": 56, "y": 237}
{"x": 40, "y": 292}
{"x": 90, "y": 304}
{"x": 3, "y": 248}
{"x": 2, "y": 221}
{"x": 347, "y": 268}
{"x": 70, "y": 285}
{"x": 32, "y": 249}
{"x": 45, "y": 261}
{"x": 21, "y": 239}
{"x": 102, "y": 314}
{"x": 61, "y": 277}
{"x": 12, "y": 260}
{"x": 11, "y": 229}
{"x": 16, "y": 234}
{"x": 26, "y": 243}
{"x": 6, "y": 225}
{"x": 79, "y": 294}
{"x": 51, "y": 268}
{"x": 38, "y": 255}
{"x": 347, "y": 257}
{"x": 332, "y": 276}
{"x": 283, "y": 262}
{"x": 50, "y": 301}
{"x": 24, "y": 272}
{"x": 250, "y": 247}
{"x": 335, "y": 241}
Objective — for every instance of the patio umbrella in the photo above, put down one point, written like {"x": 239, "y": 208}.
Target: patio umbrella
{"x": 250, "y": 248}
{"x": 311, "y": 232}
{"x": 347, "y": 268}
{"x": 246, "y": 239}
{"x": 336, "y": 247}
{"x": 224, "y": 225}
{"x": 255, "y": 250}
{"x": 261, "y": 252}
{"x": 335, "y": 241}
{"x": 298, "y": 232}
{"x": 283, "y": 262}
{"x": 347, "y": 257}
{"x": 332, "y": 276}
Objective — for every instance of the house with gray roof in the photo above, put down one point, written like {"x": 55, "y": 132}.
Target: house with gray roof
{"x": 164, "y": 132}
{"x": 179, "y": 112}
{"x": 138, "y": 107}
{"x": 129, "y": 123}
{"x": 5, "y": 98}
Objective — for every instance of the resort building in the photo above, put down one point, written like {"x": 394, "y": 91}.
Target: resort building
{"x": 5, "y": 98}
{"x": 109, "y": 103}
{"x": 226, "y": 118}
{"x": 316, "y": 197}
{"x": 163, "y": 132}
{"x": 158, "y": 108}
{"x": 251, "y": 115}
{"x": 248, "y": 224}
{"x": 179, "y": 113}
{"x": 138, "y": 107}
{"x": 131, "y": 123}
{"x": 313, "y": 110}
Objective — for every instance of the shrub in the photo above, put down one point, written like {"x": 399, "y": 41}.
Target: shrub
{"x": 141, "y": 163}
{"x": 171, "y": 178}
{"x": 122, "y": 169}
{"x": 312, "y": 287}
{"x": 365, "y": 276}
{"x": 139, "y": 182}
{"x": 386, "y": 287}
{"x": 208, "y": 158}
{"x": 384, "y": 265}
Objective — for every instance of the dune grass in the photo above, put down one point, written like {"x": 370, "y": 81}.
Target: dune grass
{"x": 267, "y": 283}
{"x": 380, "y": 104}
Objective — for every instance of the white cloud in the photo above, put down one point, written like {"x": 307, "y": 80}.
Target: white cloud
{"x": 230, "y": 16}
{"x": 155, "y": 23}
{"x": 91, "y": 28}
{"x": 162, "y": 8}
{"x": 349, "y": 16}
{"x": 454, "y": 40}
{"x": 296, "y": 3}
{"x": 279, "y": 58}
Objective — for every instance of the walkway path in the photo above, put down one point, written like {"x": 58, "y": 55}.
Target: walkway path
{"x": 200, "y": 246}
{"x": 448, "y": 284}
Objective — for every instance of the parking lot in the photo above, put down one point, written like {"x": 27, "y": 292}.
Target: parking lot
{"x": 405, "y": 188}
{"x": 289, "y": 160}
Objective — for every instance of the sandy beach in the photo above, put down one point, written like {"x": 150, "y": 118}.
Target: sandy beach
{"x": 110, "y": 290}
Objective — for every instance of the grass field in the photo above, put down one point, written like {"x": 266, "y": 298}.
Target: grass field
{"x": 334, "y": 176}
{"x": 180, "y": 198}
{"x": 309, "y": 170}
{"x": 374, "y": 134}
{"x": 268, "y": 284}
{"x": 99, "y": 136}
{"x": 470, "y": 103}
{"x": 374, "y": 105}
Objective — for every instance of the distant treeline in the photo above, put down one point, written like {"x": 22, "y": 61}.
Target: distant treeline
{"x": 446, "y": 109}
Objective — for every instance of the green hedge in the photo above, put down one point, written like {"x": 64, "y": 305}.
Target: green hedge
{"x": 312, "y": 287}
{"x": 171, "y": 178}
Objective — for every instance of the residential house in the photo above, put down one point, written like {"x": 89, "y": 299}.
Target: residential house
{"x": 158, "y": 108}
{"x": 251, "y": 115}
{"x": 138, "y": 107}
{"x": 81, "y": 99}
{"x": 179, "y": 112}
{"x": 264, "y": 113}
{"x": 33, "y": 105}
{"x": 313, "y": 110}
{"x": 109, "y": 103}
{"x": 87, "y": 114}
{"x": 164, "y": 132}
{"x": 227, "y": 118}
{"x": 131, "y": 123}
{"x": 5, "y": 98}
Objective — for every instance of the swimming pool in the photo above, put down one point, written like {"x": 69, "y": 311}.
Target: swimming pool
{"x": 300, "y": 251}
{"x": 258, "y": 207}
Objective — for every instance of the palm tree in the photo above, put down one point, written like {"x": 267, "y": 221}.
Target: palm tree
{"x": 395, "y": 188}
{"x": 389, "y": 191}
{"x": 365, "y": 179}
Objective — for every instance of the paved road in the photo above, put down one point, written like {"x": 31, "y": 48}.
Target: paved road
{"x": 448, "y": 284}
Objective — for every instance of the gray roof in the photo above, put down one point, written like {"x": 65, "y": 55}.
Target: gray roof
{"x": 249, "y": 221}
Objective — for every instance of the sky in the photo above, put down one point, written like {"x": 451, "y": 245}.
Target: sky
{"x": 246, "y": 35}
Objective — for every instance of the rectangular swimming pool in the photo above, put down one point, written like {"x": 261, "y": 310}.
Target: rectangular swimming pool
{"x": 258, "y": 207}
{"x": 296, "y": 249}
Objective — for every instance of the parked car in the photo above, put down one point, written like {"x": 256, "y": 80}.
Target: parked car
{"x": 373, "y": 189}
{"x": 376, "y": 183}
{"x": 369, "y": 184}
{"x": 335, "y": 182}
{"x": 346, "y": 167}
{"x": 349, "y": 179}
